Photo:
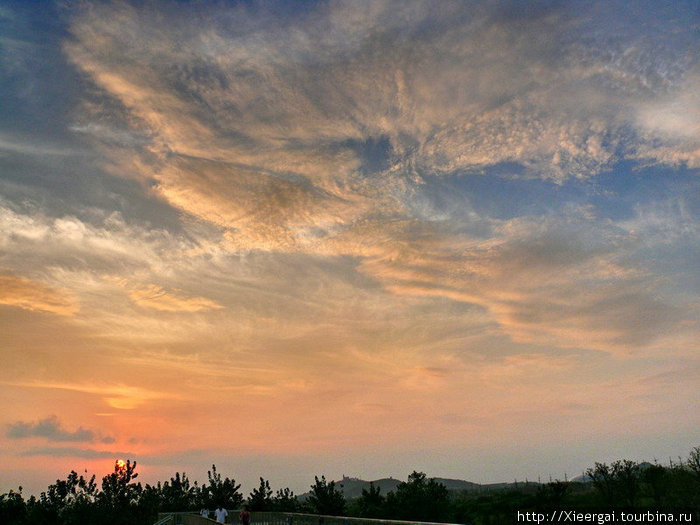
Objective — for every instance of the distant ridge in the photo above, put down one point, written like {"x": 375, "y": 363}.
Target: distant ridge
{"x": 352, "y": 487}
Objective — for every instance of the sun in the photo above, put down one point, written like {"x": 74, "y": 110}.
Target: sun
{"x": 119, "y": 464}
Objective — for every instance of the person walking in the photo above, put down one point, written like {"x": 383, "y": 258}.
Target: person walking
{"x": 221, "y": 514}
{"x": 244, "y": 516}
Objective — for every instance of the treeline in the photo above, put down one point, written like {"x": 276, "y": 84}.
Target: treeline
{"x": 121, "y": 500}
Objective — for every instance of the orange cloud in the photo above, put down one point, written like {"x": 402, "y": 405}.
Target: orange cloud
{"x": 541, "y": 282}
{"x": 125, "y": 397}
{"x": 155, "y": 297}
{"x": 35, "y": 297}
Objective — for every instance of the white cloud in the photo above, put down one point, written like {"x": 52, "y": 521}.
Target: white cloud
{"x": 264, "y": 127}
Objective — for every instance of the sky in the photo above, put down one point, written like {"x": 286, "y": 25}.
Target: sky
{"x": 347, "y": 238}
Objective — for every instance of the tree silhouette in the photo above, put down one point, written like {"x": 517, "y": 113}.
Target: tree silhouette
{"x": 222, "y": 492}
{"x": 285, "y": 501}
{"x": 117, "y": 487}
{"x": 325, "y": 498}
{"x": 371, "y": 502}
{"x": 549, "y": 496}
{"x": 419, "y": 498}
{"x": 177, "y": 494}
{"x": 77, "y": 500}
{"x": 260, "y": 499}
{"x": 654, "y": 477}
{"x": 604, "y": 481}
{"x": 12, "y": 508}
{"x": 626, "y": 475}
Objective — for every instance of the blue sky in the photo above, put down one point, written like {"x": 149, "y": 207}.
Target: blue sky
{"x": 457, "y": 237}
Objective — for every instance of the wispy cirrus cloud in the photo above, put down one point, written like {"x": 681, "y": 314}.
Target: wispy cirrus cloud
{"x": 290, "y": 140}
{"x": 34, "y": 296}
{"x": 27, "y": 147}
{"x": 321, "y": 140}
{"x": 155, "y": 297}
{"x": 120, "y": 396}
{"x": 408, "y": 214}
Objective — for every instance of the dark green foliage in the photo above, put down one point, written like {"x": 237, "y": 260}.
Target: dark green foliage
{"x": 71, "y": 501}
{"x": 120, "y": 500}
{"x": 260, "y": 499}
{"x": 176, "y": 494}
{"x": 654, "y": 477}
{"x": 119, "y": 497}
{"x": 285, "y": 501}
{"x": 550, "y": 496}
{"x": 626, "y": 474}
{"x": 602, "y": 477}
{"x": 117, "y": 488}
{"x": 13, "y": 508}
{"x": 419, "y": 498}
{"x": 371, "y": 504}
{"x": 222, "y": 492}
{"x": 325, "y": 498}
{"x": 619, "y": 484}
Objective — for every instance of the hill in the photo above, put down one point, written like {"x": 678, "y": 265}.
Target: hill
{"x": 352, "y": 487}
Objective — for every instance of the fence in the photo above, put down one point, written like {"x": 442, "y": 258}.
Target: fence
{"x": 182, "y": 518}
{"x": 279, "y": 518}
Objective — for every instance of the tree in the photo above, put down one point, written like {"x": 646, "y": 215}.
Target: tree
{"x": 221, "y": 492}
{"x": 325, "y": 498}
{"x": 151, "y": 502}
{"x": 693, "y": 461}
{"x": 371, "y": 503}
{"x": 285, "y": 501}
{"x": 120, "y": 495}
{"x": 419, "y": 499}
{"x": 550, "y": 495}
{"x": 12, "y": 508}
{"x": 260, "y": 499}
{"x": 177, "y": 494}
{"x": 654, "y": 476}
{"x": 68, "y": 501}
{"x": 626, "y": 475}
{"x": 604, "y": 481}
{"x": 118, "y": 489}
{"x": 693, "y": 467}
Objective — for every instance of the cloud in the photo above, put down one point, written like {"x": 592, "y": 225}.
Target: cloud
{"x": 544, "y": 280}
{"x": 13, "y": 145}
{"x": 420, "y": 218}
{"x": 155, "y": 297}
{"x": 120, "y": 396}
{"x": 35, "y": 297}
{"x": 51, "y": 429}
{"x": 287, "y": 133}
{"x": 321, "y": 136}
{"x": 672, "y": 120}
{"x": 83, "y": 261}
{"x": 103, "y": 244}
{"x": 73, "y": 452}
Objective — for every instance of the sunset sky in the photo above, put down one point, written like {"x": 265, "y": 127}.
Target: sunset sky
{"x": 360, "y": 238}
